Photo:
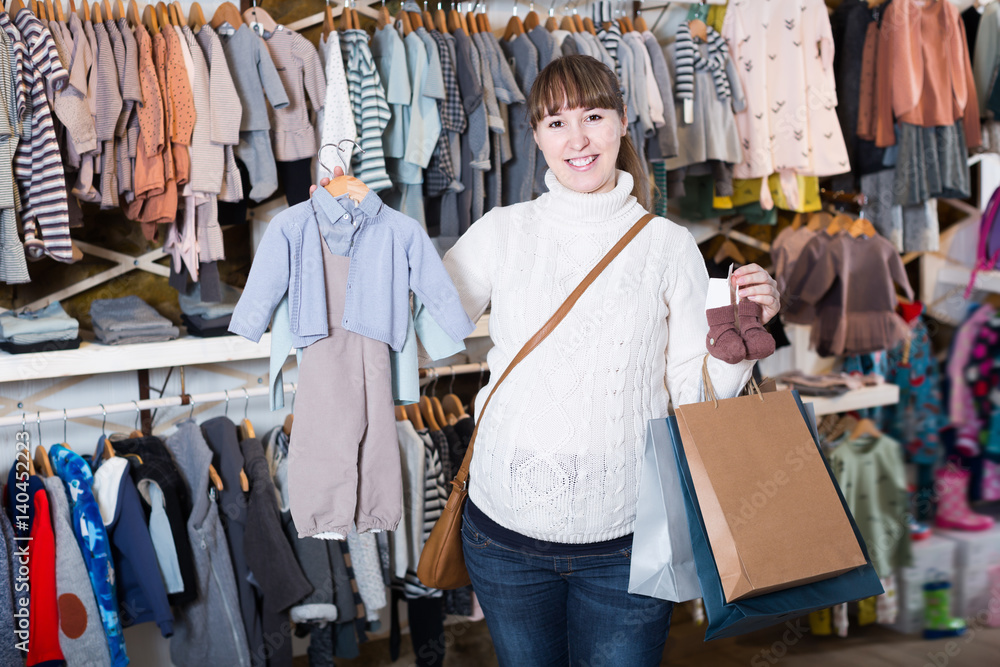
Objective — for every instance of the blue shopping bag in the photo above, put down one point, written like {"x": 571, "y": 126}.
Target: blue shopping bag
{"x": 730, "y": 619}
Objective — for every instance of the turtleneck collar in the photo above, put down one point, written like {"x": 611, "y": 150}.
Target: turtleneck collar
{"x": 585, "y": 207}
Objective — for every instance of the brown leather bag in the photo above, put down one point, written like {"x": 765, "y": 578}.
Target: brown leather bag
{"x": 442, "y": 562}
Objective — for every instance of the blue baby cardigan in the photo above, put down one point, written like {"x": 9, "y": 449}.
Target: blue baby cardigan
{"x": 390, "y": 255}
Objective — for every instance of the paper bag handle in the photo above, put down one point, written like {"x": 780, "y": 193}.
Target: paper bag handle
{"x": 708, "y": 389}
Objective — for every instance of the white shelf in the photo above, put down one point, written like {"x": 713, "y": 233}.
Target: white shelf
{"x": 93, "y": 358}
{"x": 953, "y": 274}
{"x": 857, "y": 399}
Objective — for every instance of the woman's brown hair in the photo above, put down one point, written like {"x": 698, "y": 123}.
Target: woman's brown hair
{"x": 583, "y": 82}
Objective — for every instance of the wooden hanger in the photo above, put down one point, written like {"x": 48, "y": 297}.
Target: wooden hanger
{"x": 344, "y": 184}
{"x": 178, "y": 13}
{"x": 456, "y": 21}
{"x": 567, "y": 24}
{"x": 485, "y": 22}
{"x": 470, "y": 20}
{"x": 260, "y": 15}
{"x": 551, "y": 23}
{"x": 246, "y": 432}
{"x": 109, "y": 451}
{"x": 588, "y": 25}
{"x": 439, "y": 415}
{"x": 118, "y": 9}
{"x": 698, "y": 30}
{"x": 328, "y": 23}
{"x": 441, "y": 20}
{"x": 32, "y": 7}
{"x": 226, "y": 13}
{"x": 531, "y": 20}
{"x": 416, "y": 20}
{"x": 515, "y": 27}
{"x": 213, "y": 475}
{"x": 149, "y": 19}
{"x": 453, "y": 406}
{"x": 861, "y": 227}
{"x": 60, "y": 16}
{"x": 162, "y": 15}
{"x": 728, "y": 250}
{"x": 23, "y": 453}
{"x": 72, "y": 7}
{"x": 50, "y": 13}
{"x": 413, "y": 413}
{"x": 346, "y": 20}
{"x": 640, "y": 24}
{"x": 85, "y": 10}
{"x": 819, "y": 220}
{"x": 865, "y": 427}
{"x": 839, "y": 223}
{"x": 107, "y": 13}
{"x": 196, "y": 17}
{"x": 400, "y": 413}
{"x": 95, "y": 13}
{"x": 42, "y": 463}
{"x": 427, "y": 412}
{"x": 427, "y": 18}
{"x": 132, "y": 14}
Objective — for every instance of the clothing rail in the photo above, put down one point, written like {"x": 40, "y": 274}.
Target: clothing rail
{"x": 448, "y": 371}
{"x": 28, "y": 418}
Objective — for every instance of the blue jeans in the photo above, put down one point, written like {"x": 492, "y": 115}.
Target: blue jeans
{"x": 555, "y": 610}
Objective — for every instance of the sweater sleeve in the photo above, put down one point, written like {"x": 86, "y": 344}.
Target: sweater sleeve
{"x": 312, "y": 74}
{"x": 470, "y": 264}
{"x": 131, "y": 536}
{"x": 687, "y": 327}
{"x": 430, "y": 281}
{"x": 822, "y": 276}
{"x": 269, "y": 78}
{"x": 897, "y": 270}
{"x": 266, "y": 284}
{"x": 885, "y": 131}
{"x": 970, "y": 118}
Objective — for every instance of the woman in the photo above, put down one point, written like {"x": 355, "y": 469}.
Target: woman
{"x": 553, "y": 486}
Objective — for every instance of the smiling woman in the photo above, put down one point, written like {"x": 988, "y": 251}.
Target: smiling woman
{"x": 579, "y": 119}
{"x": 553, "y": 481}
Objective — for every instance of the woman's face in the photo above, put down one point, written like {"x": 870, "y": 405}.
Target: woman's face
{"x": 581, "y": 147}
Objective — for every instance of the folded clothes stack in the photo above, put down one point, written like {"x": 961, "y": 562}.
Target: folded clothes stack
{"x": 129, "y": 320}
{"x": 208, "y": 319}
{"x": 831, "y": 384}
{"x": 38, "y": 330}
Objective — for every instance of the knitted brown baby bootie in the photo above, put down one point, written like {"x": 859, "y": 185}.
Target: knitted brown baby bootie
{"x": 723, "y": 340}
{"x": 759, "y": 343}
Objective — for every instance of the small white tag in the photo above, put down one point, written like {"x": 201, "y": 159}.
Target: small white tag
{"x": 688, "y": 111}
{"x": 718, "y": 294}
{"x": 734, "y": 291}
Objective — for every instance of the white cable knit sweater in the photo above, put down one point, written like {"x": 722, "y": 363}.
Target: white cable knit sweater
{"x": 558, "y": 454}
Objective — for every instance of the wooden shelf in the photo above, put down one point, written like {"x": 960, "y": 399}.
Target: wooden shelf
{"x": 857, "y": 399}
{"x": 94, "y": 358}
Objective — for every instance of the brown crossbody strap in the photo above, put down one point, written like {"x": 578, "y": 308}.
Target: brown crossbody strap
{"x": 462, "y": 477}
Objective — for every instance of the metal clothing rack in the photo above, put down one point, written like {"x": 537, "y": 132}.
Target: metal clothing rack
{"x": 26, "y": 418}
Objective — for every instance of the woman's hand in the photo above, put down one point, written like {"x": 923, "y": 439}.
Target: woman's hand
{"x": 323, "y": 182}
{"x": 756, "y": 284}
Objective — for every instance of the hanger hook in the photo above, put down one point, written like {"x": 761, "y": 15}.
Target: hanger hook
{"x": 38, "y": 424}
{"x": 451, "y": 385}
{"x": 340, "y": 153}
{"x": 191, "y": 414}
{"x": 246, "y": 407}
{"x": 295, "y": 392}
{"x": 22, "y": 423}
{"x": 137, "y": 414}
{"x": 226, "y": 413}
{"x": 104, "y": 422}
{"x": 65, "y": 421}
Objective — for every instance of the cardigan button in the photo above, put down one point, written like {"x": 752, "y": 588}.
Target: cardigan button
{"x": 711, "y": 341}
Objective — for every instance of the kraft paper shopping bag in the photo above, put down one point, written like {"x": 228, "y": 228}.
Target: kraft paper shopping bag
{"x": 771, "y": 510}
